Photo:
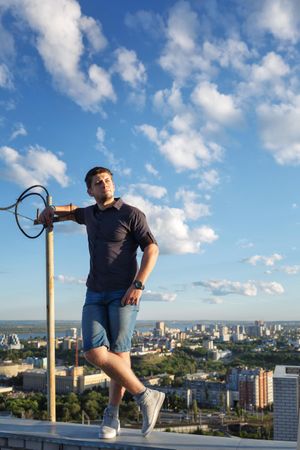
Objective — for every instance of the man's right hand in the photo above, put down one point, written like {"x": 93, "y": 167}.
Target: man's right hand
{"x": 46, "y": 217}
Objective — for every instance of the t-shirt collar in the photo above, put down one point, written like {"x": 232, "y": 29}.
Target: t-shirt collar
{"x": 118, "y": 203}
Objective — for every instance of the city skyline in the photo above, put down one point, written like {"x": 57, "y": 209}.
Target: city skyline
{"x": 195, "y": 108}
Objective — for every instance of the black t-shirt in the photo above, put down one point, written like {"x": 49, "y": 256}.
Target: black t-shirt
{"x": 114, "y": 236}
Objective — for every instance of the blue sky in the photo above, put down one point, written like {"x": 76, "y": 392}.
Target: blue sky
{"x": 195, "y": 106}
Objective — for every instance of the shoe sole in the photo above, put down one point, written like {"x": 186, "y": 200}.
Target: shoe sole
{"x": 158, "y": 407}
{"x": 102, "y": 436}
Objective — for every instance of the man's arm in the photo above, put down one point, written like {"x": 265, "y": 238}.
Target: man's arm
{"x": 64, "y": 212}
{"x": 133, "y": 295}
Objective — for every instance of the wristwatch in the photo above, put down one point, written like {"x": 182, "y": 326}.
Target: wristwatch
{"x": 138, "y": 285}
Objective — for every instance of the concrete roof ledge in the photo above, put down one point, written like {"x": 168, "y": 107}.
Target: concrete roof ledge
{"x": 42, "y": 435}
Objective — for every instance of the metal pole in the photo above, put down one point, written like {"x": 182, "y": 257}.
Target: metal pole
{"x": 50, "y": 322}
{"x": 298, "y": 433}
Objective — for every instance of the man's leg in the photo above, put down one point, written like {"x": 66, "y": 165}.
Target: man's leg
{"x": 120, "y": 326}
{"x": 110, "y": 425}
{"x": 116, "y": 390}
{"x": 121, "y": 322}
{"x": 116, "y": 367}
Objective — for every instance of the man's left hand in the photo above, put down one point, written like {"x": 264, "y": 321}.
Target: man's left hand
{"x": 132, "y": 296}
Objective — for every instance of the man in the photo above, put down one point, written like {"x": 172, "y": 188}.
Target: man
{"x": 114, "y": 288}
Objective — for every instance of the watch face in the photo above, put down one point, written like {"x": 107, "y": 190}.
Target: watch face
{"x": 138, "y": 284}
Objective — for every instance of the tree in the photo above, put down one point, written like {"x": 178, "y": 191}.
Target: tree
{"x": 195, "y": 410}
{"x": 129, "y": 412}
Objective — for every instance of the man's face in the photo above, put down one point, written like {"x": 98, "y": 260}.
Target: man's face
{"x": 102, "y": 187}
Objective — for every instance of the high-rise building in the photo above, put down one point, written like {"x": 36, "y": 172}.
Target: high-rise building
{"x": 208, "y": 393}
{"x": 160, "y": 327}
{"x": 209, "y": 344}
{"x": 286, "y": 402}
{"x": 72, "y": 332}
{"x": 256, "y": 388}
{"x": 239, "y": 329}
{"x": 10, "y": 342}
{"x": 236, "y": 337}
{"x": 225, "y": 337}
{"x": 258, "y": 329}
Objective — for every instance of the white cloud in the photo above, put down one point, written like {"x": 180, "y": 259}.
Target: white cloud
{"x": 185, "y": 148}
{"x": 115, "y": 164}
{"x": 149, "y": 190}
{"x": 94, "y": 34}
{"x": 150, "y": 169}
{"x": 267, "y": 79}
{"x": 100, "y": 134}
{"x": 266, "y": 260}
{"x": 148, "y": 21}
{"x": 192, "y": 209}
{"x": 228, "y": 53}
{"x": 130, "y": 69}
{"x": 217, "y": 106}
{"x": 151, "y": 296}
{"x": 183, "y": 26}
{"x": 167, "y": 101}
{"x": 149, "y": 131}
{"x": 181, "y": 57}
{"x": 226, "y": 287}
{"x": 183, "y": 123}
{"x": 19, "y": 130}
{"x": 281, "y": 18}
{"x": 280, "y": 131}
{"x": 137, "y": 98}
{"x": 271, "y": 288}
{"x": 209, "y": 179}
{"x": 7, "y": 47}
{"x": 6, "y": 78}
{"x": 248, "y": 289}
{"x": 59, "y": 42}
{"x": 187, "y": 53}
{"x": 272, "y": 66}
{"x": 66, "y": 279}
{"x": 244, "y": 243}
{"x": 213, "y": 300}
{"x": 37, "y": 166}
{"x": 291, "y": 270}
{"x": 133, "y": 72}
{"x": 169, "y": 226}
{"x": 188, "y": 151}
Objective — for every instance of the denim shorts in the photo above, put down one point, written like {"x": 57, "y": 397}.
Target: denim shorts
{"x": 105, "y": 322}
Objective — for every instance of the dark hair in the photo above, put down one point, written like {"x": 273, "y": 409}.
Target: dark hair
{"x": 95, "y": 171}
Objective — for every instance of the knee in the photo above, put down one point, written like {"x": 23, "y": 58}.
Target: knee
{"x": 97, "y": 356}
{"x": 125, "y": 356}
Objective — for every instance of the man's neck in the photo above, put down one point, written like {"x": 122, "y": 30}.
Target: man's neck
{"x": 105, "y": 205}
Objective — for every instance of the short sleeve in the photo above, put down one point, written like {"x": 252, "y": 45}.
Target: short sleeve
{"x": 141, "y": 230}
{"x": 80, "y": 216}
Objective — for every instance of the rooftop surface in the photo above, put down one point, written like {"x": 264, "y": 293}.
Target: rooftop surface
{"x": 286, "y": 371}
{"x": 86, "y": 436}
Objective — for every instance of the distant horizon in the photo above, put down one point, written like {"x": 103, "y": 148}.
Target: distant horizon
{"x": 27, "y": 321}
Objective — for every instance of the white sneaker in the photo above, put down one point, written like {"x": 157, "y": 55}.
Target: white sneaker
{"x": 110, "y": 426}
{"x": 150, "y": 406}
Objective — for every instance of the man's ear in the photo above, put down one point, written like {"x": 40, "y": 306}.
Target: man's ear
{"x": 89, "y": 191}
